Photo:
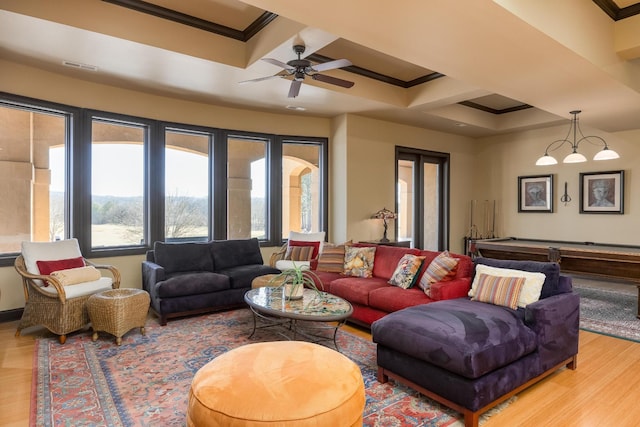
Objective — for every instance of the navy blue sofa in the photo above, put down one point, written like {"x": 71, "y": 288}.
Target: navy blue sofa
{"x": 472, "y": 355}
{"x": 190, "y": 278}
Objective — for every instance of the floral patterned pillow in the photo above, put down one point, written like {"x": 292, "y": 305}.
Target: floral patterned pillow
{"x": 406, "y": 271}
{"x": 358, "y": 262}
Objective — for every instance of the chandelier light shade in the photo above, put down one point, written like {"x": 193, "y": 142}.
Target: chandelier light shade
{"x": 574, "y": 157}
{"x": 384, "y": 214}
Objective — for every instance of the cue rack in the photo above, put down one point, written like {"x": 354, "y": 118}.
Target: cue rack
{"x": 482, "y": 223}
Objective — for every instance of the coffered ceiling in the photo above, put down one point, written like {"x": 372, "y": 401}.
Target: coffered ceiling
{"x": 473, "y": 68}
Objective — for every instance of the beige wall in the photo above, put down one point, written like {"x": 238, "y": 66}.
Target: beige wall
{"x": 371, "y": 171}
{"x": 22, "y": 80}
{"x": 506, "y": 157}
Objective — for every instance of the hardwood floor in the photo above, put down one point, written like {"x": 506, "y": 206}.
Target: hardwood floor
{"x": 603, "y": 391}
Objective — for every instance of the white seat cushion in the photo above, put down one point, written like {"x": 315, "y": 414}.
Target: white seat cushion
{"x": 285, "y": 264}
{"x": 82, "y": 289}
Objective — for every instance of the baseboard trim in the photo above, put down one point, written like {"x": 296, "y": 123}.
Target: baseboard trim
{"x": 11, "y": 315}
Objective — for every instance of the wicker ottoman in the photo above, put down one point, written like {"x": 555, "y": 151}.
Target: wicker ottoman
{"x": 282, "y": 383}
{"x": 117, "y": 311}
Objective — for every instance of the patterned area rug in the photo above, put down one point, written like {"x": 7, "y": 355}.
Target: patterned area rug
{"x": 145, "y": 381}
{"x": 608, "y": 311}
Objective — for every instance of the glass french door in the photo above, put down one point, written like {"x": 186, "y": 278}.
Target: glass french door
{"x": 422, "y": 198}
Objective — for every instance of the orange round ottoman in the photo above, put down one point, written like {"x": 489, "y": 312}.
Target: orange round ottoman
{"x": 283, "y": 383}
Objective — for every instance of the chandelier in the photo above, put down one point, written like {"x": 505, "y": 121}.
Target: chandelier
{"x": 574, "y": 157}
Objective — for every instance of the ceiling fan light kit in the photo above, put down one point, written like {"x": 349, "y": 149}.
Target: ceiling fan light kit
{"x": 300, "y": 68}
{"x": 574, "y": 157}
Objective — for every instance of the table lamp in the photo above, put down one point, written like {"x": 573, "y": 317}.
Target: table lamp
{"x": 384, "y": 214}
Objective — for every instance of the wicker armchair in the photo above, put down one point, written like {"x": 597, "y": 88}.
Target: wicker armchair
{"x": 61, "y": 309}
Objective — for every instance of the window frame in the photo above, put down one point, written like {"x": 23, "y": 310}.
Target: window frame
{"x": 72, "y": 124}
{"x": 82, "y": 205}
{"x": 158, "y": 178}
{"x": 324, "y": 179}
{"x": 268, "y": 140}
{"x": 443, "y": 161}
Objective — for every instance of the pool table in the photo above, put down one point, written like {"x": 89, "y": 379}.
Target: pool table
{"x": 588, "y": 258}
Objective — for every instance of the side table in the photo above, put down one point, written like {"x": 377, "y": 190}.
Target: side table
{"x": 117, "y": 311}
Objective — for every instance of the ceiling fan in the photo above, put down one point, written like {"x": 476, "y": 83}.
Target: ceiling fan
{"x": 301, "y": 68}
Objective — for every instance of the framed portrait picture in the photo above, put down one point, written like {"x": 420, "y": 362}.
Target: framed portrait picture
{"x": 602, "y": 192}
{"x": 535, "y": 193}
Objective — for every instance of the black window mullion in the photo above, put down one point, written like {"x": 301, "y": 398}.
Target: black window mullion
{"x": 275, "y": 191}
{"x": 81, "y": 184}
{"x": 219, "y": 185}
{"x": 155, "y": 185}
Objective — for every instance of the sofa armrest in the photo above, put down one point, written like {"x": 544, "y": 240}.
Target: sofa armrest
{"x": 451, "y": 289}
{"x": 556, "y": 321}
{"x": 152, "y": 273}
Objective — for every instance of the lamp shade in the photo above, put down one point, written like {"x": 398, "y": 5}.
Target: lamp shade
{"x": 574, "y": 158}
{"x": 546, "y": 160}
{"x": 606, "y": 154}
{"x": 384, "y": 213}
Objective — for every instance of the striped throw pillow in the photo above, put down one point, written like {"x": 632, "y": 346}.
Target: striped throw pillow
{"x": 331, "y": 259}
{"x": 497, "y": 290}
{"x": 442, "y": 267}
{"x": 299, "y": 253}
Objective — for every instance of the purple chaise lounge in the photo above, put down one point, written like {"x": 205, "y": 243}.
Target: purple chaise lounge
{"x": 472, "y": 355}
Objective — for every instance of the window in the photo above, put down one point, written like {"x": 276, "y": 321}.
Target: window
{"x": 33, "y": 183}
{"x": 246, "y": 188}
{"x": 186, "y": 199}
{"x": 117, "y": 184}
{"x": 302, "y": 197}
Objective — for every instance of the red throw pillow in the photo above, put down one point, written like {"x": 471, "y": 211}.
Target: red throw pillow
{"x": 316, "y": 246}
{"x": 48, "y": 267}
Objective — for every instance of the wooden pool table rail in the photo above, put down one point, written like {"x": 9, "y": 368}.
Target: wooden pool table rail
{"x": 594, "y": 259}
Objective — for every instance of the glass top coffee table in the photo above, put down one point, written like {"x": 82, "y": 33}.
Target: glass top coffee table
{"x": 306, "y": 317}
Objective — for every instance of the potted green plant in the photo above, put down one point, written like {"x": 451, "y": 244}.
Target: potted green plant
{"x": 293, "y": 281}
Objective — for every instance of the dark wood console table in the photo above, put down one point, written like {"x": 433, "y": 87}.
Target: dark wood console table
{"x": 403, "y": 243}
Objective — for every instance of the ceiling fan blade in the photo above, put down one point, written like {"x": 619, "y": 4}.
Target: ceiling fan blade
{"x": 338, "y": 63}
{"x": 259, "y": 79}
{"x": 278, "y": 63}
{"x": 294, "y": 90}
{"x": 332, "y": 80}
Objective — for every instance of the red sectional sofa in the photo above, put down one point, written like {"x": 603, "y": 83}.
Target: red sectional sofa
{"x": 373, "y": 298}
